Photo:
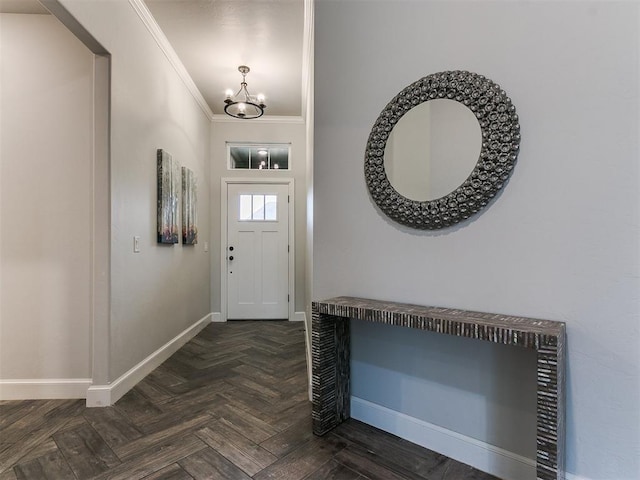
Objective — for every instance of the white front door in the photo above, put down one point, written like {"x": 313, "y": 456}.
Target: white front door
{"x": 257, "y": 254}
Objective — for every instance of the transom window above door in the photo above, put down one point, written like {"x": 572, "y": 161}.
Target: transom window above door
{"x": 258, "y": 156}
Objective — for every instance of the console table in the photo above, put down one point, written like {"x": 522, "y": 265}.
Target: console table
{"x": 330, "y": 351}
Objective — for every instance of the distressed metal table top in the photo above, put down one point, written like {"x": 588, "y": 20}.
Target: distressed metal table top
{"x": 498, "y": 328}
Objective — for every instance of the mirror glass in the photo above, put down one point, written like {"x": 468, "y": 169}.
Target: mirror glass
{"x": 432, "y": 149}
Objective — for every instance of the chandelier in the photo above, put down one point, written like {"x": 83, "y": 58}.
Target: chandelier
{"x": 242, "y": 104}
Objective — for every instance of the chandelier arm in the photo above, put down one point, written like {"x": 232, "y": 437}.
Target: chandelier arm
{"x": 247, "y": 95}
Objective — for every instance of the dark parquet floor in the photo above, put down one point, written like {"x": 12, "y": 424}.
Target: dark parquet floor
{"x": 231, "y": 404}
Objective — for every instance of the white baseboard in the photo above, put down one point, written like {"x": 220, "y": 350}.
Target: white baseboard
{"x": 299, "y": 317}
{"x": 44, "y": 389}
{"x": 217, "y": 317}
{"x": 106, "y": 395}
{"x": 481, "y": 455}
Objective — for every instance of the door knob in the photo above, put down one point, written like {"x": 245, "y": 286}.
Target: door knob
{"x": 231, "y": 257}
{"x": 231, "y": 249}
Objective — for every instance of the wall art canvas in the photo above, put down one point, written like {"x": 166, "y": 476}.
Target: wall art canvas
{"x": 168, "y": 197}
{"x": 189, "y": 204}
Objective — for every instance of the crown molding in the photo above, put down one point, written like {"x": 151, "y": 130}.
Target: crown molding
{"x": 160, "y": 38}
{"x": 282, "y": 119}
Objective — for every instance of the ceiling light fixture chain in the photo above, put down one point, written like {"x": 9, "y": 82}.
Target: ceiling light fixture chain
{"x": 244, "y": 105}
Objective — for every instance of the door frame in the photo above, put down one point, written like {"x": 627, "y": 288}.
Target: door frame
{"x": 224, "y": 182}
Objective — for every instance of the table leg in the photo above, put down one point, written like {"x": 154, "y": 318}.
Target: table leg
{"x": 550, "y": 414}
{"x": 330, "y": 371}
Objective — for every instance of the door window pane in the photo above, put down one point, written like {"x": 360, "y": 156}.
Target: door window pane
{"x": 270, "y": 207}
{"x": 245, "y": 207}
{"x": 258, "y": 207}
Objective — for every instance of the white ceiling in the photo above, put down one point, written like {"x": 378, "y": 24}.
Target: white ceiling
{"x": 213, "y": 37}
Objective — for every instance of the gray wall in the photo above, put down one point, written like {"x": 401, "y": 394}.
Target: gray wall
{"x": 45, "y": 201}
{"x": 560, "y": 242}
{"x": 161, "y": 291}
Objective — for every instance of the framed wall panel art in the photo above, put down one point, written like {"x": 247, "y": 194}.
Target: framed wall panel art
{"x": 168, "y": 198}
{"x": 189, "y": 204}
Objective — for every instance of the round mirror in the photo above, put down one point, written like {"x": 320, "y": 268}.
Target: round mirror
{"x": 432, "y": 149}
{"x": 441, "y": 192}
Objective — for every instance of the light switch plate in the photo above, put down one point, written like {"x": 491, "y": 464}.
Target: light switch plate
{"x": 136, "y": 244}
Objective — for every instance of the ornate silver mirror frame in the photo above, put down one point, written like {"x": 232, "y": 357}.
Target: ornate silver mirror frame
{"x": 500, "y": 144}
